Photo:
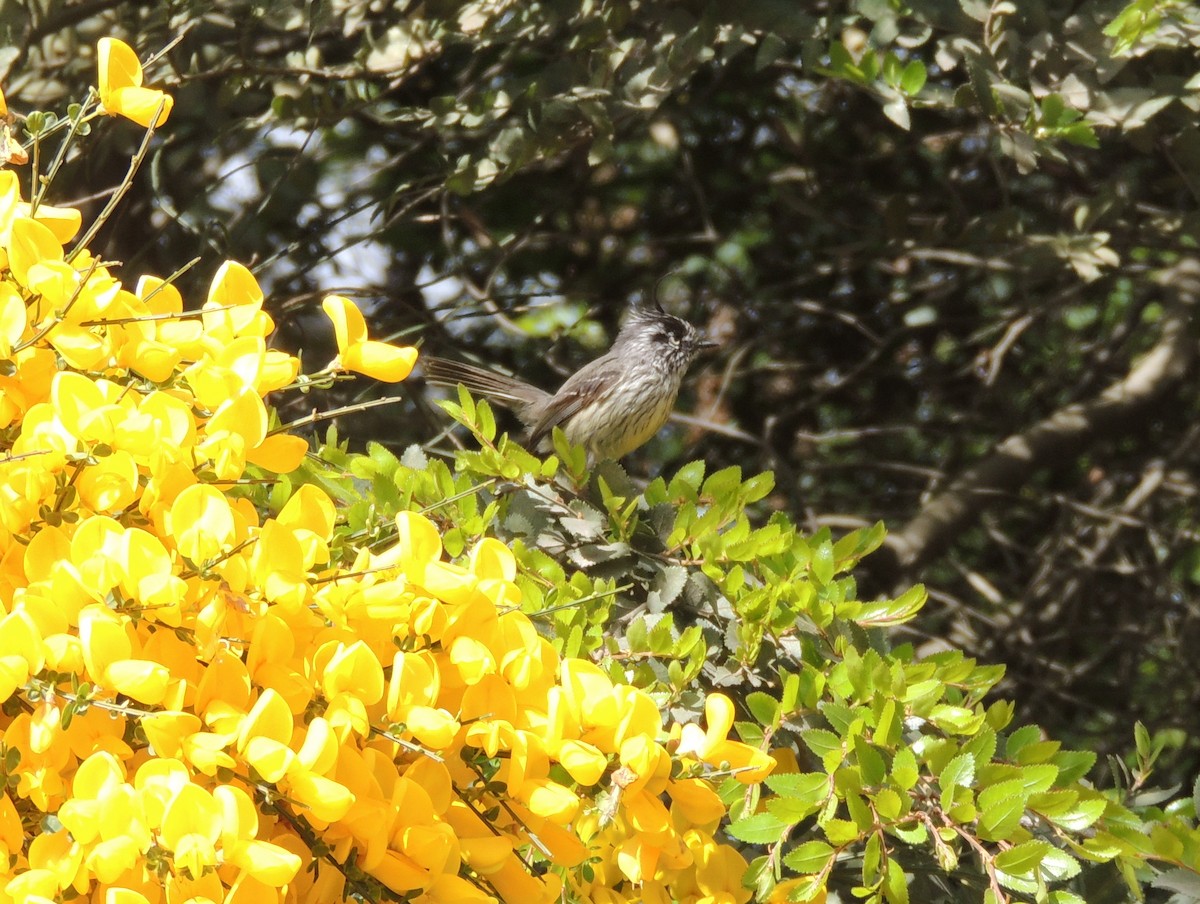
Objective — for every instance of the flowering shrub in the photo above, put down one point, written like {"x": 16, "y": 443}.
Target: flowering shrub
{"x": 212, "y": 694}
{"x": 234, "y": 668}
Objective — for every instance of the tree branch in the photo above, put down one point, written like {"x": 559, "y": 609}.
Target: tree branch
{"x": 1057, "y": 439}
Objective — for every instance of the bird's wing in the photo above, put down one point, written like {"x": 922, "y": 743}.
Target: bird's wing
{"x": 584, "y": 387}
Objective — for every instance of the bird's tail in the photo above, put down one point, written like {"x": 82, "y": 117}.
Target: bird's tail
{"x": 500, "y": 388}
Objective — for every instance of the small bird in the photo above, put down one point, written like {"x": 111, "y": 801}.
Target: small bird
{"x": 611, "y": 405}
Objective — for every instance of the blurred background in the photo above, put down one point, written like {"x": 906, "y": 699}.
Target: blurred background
{"x": 929, "y": 239}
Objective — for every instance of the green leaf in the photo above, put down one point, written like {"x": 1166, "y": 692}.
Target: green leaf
{"x": 872, "y": 853}
{"x": 1038, "y": 753}
{"x": 959, "y": 771}
{"x": 840, "y": 716}
{"x": 904, "y": 769}
{"x": 891, "y": 70}
{"x": 791, "y": 695}
{"x": 912, "y": 80}
{"x": 792, "y": 810}
{"x": 809, "y": 858}
{"x": 1023, "y": 884}
{"x": 1038, "y": 778}
{"x": 813, "y": 786}
{"x": 806, "y": 890}
{"x": 840, "y": 831}
{"x": 637, "y": 636}
{"x": 723, "y": 483}
{"x": 822, "y": 562}
{"x": 686, "y": 482}
{"x": 862, "y": 814}
{"x": 895, "y": 883}
{"x": 893, "y": 612}
{"x": 761, "y": 828}
{"x": 841, "y": 63}
{"x": 1006, "y": 790}
{"x": 1080, "y": 816}
{"x": 1059, "y": 866}
{"x": 868, "y": 64}
{"x": 915, "y": 834}
{"x": 757, "y": 487}
{"x": 1052, "y": 110}
{"x": 1022, "y": 859}
{"x": 1052, "y": 803}
{"x": 1026, "y": 734}
{"x": 888, "y": 803}
{"x": 870, "y": 762}
{"x": 1136, "y": 21}
{"x": 956, "y": 719}
{"x": 821, "y": 742}
{"x": 1141, "y": 739}
{"x": 998, "y": 820}
{"x": 887, "y": 725}
{"x": 487, "y": 421}
{"x": 1065, "y": 897}
{"x": 764, "y": 708}
{"x": 770, "y": 49}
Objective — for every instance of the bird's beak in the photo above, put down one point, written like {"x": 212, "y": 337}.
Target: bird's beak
{"x": 706, "y": 345}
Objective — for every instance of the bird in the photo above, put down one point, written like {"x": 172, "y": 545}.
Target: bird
{"x": 611, "y": 405}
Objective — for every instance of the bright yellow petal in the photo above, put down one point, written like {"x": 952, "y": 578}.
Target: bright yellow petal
{"x": 239, "y": 818}
{"x": 417, "y": 539}
{"x": 13, "y": 318}
{"x": 349, "y": 327}
{"x": 110, "y": 485}
{"x": 202, "y": 522}
{"x": 319, "y": 752}
{"x": 550, "y": 800}
{"x": 389, "y": 363}
{"x": 268, "y": 863}
{"x": 141, "y": 105}
{"x": 434, "y": 728}
{"x": 270, "y": 759}
{"x": 582, "y": 761}
{"x": 124, "y": 896}
{"x": 166, "y": 731}
{"x": 118, "y": 65}
{"x": 140, "y": 679}
{"x": 120, "y": 85}
{"x": 31, "y": 243}
{"x": 324, "y": 798}
{"x": 354, "y": 669}
{"x": 244, "y": 415}
{"x": 64, "y": 222}
{"x": 235, "y": 288}
{"x": 280, "y": 454}
{"x": 488, "y": 853}
{"x": 492, "y": 559}
{"x": 696, "y": 799}
{"x": 270, "y": 718}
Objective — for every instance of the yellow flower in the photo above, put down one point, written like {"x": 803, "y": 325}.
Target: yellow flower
{"x": 749, "y": 764}
{"x": 202, "y": 522}
{"x": 357, "y": 353}
{"x": 696, "y": 801}
{"x": 352, "y": 669}
{"x": 269, "y": 863}
{"x": 120, "y": 82}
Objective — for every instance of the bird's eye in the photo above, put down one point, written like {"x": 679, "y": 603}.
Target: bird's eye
{"x": 672, "y": 333}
